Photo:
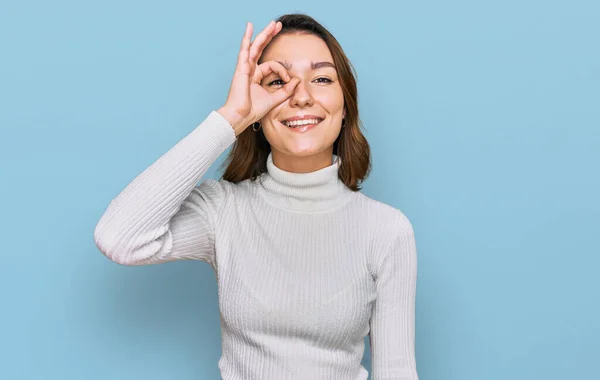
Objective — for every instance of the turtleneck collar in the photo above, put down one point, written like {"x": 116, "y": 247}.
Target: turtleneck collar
{"x": 320, "y": 190}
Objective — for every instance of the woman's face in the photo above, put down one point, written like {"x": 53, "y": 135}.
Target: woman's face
{"x": 318, "y": 95}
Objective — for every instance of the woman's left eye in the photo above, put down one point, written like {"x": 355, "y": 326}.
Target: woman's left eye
{"x": 327, "y": 80}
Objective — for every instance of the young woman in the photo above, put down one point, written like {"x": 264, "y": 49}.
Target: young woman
{"x": 306, "y": 264}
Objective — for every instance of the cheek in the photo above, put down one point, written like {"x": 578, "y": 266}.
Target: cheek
{"x": 331, "y": 99}
{"x": 274, "y": 113}
{"x": 269, "y": 115}
{"x": 273, "y": 131}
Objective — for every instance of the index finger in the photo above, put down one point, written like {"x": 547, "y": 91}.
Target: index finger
{"x": 269, "y": 67}
{"x": 244, "y": 53}
{"x": 261, "y": 41}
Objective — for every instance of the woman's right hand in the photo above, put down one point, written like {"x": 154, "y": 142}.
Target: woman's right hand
{"x": 247, "y": 101}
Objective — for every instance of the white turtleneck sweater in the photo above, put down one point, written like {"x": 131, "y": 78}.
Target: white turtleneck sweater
{"x": 306, "y": 268}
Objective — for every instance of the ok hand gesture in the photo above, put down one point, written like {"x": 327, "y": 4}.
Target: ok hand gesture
{"x": 247, "y": 101}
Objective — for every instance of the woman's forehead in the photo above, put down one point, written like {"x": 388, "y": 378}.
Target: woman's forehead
{"x": 298, "y": 50}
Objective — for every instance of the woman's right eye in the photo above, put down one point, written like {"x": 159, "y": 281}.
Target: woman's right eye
{"x": 276, "y": 84}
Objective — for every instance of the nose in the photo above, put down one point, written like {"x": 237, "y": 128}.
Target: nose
{"x": 301, "y": 96}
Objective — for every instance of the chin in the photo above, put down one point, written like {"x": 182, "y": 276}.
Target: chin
{"x": 306, "y": 144}
{"x": 303, "y": 151}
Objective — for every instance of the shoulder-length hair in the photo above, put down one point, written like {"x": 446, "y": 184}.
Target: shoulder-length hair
{"x": 248, "y": 156}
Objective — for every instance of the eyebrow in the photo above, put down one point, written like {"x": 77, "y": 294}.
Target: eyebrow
{"x": 313, "y": 65}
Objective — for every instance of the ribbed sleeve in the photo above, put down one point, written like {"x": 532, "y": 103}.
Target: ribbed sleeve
{"x": 163, "y": 215}
{"x": 392, "y": 324}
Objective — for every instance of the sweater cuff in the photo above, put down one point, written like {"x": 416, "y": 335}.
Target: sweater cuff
{"x": 216, "y": 118}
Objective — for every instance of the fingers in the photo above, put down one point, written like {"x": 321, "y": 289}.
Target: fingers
{"x": 279, "y": 96}
{"x": 269, "y": 67}
{"x": 261, "y": 41}
{"x": 243, "y": 55}
{"x": 285, "y": 92}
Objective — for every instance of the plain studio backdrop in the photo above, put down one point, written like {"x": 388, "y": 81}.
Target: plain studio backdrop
{"x": 484, "y": 122}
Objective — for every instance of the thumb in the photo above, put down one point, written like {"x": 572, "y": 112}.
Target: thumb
{"x": 284, "y": 93}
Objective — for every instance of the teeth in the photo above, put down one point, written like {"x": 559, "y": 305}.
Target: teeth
{"x": 297, "y": 123}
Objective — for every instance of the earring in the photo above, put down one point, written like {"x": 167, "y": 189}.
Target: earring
{"x": 256, "y": 126}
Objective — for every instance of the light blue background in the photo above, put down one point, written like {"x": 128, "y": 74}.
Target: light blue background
{"x": 484, "y": 123}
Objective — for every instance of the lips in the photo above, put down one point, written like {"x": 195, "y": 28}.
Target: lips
{"x": 302, "y": 120}
{"x": 302, "y": 117}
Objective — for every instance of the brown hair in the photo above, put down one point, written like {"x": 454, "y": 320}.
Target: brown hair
{"x": 248, "y": 157}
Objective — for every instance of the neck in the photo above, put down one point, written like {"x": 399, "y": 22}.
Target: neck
{"x": 314, "y": 191}
{"x": 302, "y": 164}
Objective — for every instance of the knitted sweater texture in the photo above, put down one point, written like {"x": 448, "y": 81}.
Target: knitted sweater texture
{"x": 305, "y": 267}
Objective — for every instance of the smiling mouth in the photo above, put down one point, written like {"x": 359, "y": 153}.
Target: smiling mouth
{"x": 301, "y": 123}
